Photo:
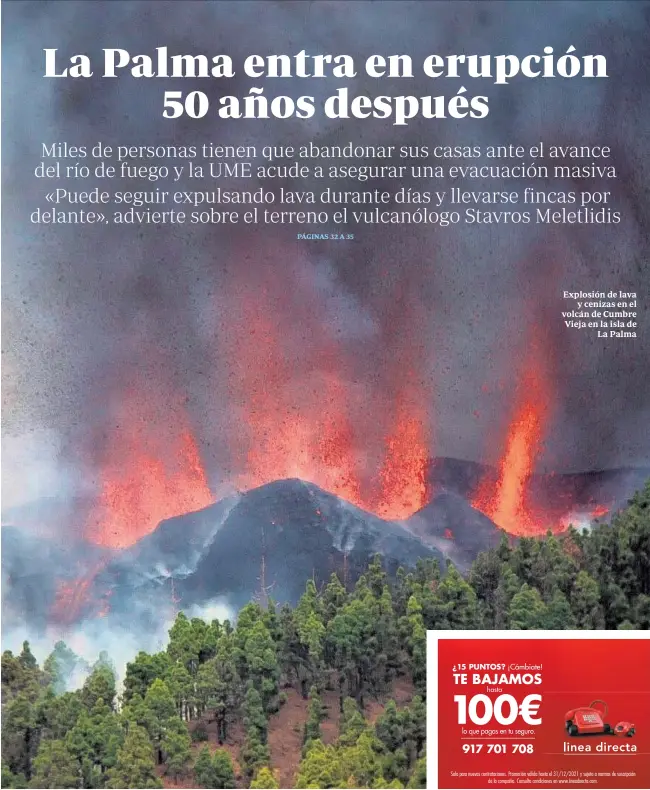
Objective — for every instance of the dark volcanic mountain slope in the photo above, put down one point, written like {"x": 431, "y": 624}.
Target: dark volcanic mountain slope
{"x": 453, "y": 526}
{"x": 177, "y": 544}
{"x": 287, "y": 531}
{"x": 301, "y": 531}
{"x": 216, "y": 553}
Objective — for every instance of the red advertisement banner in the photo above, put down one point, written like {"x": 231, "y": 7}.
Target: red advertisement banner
{"x": 553, "y": 711}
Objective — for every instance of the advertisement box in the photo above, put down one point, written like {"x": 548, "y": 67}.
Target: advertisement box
{"x": 541, "y": 709}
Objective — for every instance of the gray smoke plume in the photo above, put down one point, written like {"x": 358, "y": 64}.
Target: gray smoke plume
{"x": 93, "y": 313}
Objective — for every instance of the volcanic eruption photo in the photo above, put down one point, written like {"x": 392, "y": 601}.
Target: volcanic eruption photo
{"x": 221, "y": 436}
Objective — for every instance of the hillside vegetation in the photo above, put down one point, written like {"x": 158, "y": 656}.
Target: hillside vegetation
{"x": 327, "y": 694}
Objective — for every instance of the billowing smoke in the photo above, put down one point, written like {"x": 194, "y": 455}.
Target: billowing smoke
{"x": 120, "y": 641}
{"x": 188, "y": 362}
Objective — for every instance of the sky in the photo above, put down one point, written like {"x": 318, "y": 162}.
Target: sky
{"x": 113, "y": 333}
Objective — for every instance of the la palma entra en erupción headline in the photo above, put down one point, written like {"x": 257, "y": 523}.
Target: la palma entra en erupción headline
{"x": 501, "y": 69}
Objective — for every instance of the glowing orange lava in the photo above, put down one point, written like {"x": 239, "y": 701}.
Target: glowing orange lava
{"x": 150, "y": 470}
{"x": 506, "y": 503}
{"x": 508, "y": 499}
{"x": 301, "y": 413}
{"x": 403, "y": 476}
{"x": 71, "y": 597}
{"x": 288, "y": 433}
{"x": 301, "y": 400}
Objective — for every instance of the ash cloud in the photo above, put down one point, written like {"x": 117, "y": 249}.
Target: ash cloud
{"x": 91, "y": 313}
{"x": 116, "y": 637}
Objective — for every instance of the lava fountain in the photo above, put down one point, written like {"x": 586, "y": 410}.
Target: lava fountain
{"x": 507, "y": 501}
{"x": 304, "y": 404}
{"x": 403, "y": 476}
{"x": 150, "y": 470}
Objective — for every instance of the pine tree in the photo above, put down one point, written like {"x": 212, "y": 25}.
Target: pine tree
{"x": 11, "y": 780}
{"x": 181, "y": 686}
{"x": 104, "y": 660}
{"x": 310, "y": 629}
{"x": 416, "y": 636}
{"x": 351, "y": 724}
{"x": 223, "y": 771}
{"x": 142, "y": 671}
{"x": 57, "y": 715}
{"x": 388, "y": 651}
{"x": 641, "y": 612}
{"x": 506, "y": 590}
{"x": 312, "y": 634}
{"x": 255, "y": 752}
{"x": 352, "y": 639}
{"x": 416, "y": 727}
{"x": 100, "y": 684}
{"x": 204, "y": 638}
{"x": 185, "y": 643}
{"x": 401, "y": 734}
{"x": 389, "y": 727}
{"x": 107, "y": 736}
{"x": 404, "y": 588}
{"x": 19, "y": 734}
{"x": 254, "y": 716}
{"x": 559, "y": 615}
{"x": 218, "y": 686}
{"x": 248, "y": 617}
{"x": 204, "y": 769}
{"x": 585, "y": 602}
{"x": 262, "y": 668}
{"x": 265, "y": 779}
{"x": 333, "y": 598}
{"x": 60, "y": 665}
{"x": 418, "y": 780}
{"x": 427, "y": 572}
{"x": 458, "y": 606}
{"x": 315, "y": 715}
{"x": 614, "y": 603}
{"x": 79, "y": 742}
{"x": 55, "y": 766}
{"x": 360, "y": 762}
{"x": 484, "y": 577}
{"x": 321, "y": 767}
{"x": 376, "y": 576}
{"x": 527, "y": 610}
{"x": 292, "y": 653}
{"x": 136, "y": 712}
{"x": 175, "y": 746}
{"x": 253, "y": 756}
{"x": 135, "y": 764}
{"x": 160, "y": 711}
{"x": 26, "y": 658}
